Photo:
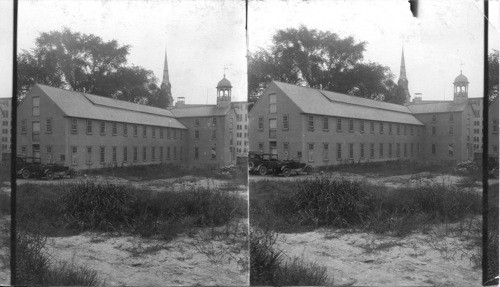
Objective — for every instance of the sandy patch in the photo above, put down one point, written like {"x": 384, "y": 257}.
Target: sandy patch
{"x": 369, "y": 260}
{"x": 133, "y": 261}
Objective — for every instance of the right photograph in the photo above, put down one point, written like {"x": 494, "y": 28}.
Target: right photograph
{"x": 366, "y": 143}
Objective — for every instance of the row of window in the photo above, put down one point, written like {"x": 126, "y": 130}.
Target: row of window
{"x": 326, "y": 126}
{"x": 367, "y": 150}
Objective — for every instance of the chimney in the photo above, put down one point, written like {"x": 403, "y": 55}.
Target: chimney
{"x": 418, "y": 98}
{"x": 180, "y": 102}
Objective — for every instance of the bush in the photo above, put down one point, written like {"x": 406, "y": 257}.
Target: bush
{"x": 34, "y": 266}
{"x": 269, "y": 267}
{"x": 330, "y": 202}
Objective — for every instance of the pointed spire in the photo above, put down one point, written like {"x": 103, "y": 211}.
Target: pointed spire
{"x": 166, "y": 79}
{"x": 166, "y": 87}
{"x": 402, "y": 72}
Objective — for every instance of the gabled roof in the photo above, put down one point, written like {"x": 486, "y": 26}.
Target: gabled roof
{"x": 438, "y": 107}
{"x": 87, "y": 106}
{"x": 199, "y": 111}
{"x": 319, "y": 102}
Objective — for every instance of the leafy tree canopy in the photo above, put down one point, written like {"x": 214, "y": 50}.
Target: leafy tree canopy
{"x": 493, "y": 75}
{"x": 321, "y": 60}
{"x": 86, "y": 63}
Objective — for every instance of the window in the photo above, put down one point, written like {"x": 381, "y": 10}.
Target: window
{"x": 433, "y": 131}
{"x": 49, "y": 125}
{"x": 196, "y": 152}
{"x": 103, "y": 128}
{"x": 214, "y": 153}
{"x": 325, "y": 123}
{"x": 168, "y": 153}
{"x": 418, "y": 148}
{"x": 390, "y": 150}
{"x": 272, "y": 128}
{"x": 144, "y": 158}
{"x": 285, "y": 122}
{"x": 24, "y": 150}
{"x": 125, "y": 154}
{"x": 411, "y": 130}
{"x": 272, "y": 103}
{"x": 49, "y": 153}
{"x": 411, "y": 149}
{"x": 24, "y": 126}
{"x": 161, "y": 154}
{"x": 390, "y": 129}
{"x": 339, "y": 124}
{"x": 196, "y": 134}
{"x": 231, "y": 138}
{"x": 310, "y": 123}
{"x": 418, "y": 131}
{"x": 114, "y": 128}
{"x": 196, "y": 122}
{"x": 451, "y": 117}
{"x": 311, "y": 152}
{"x": 381, "y": 150}
{"x": 362, "y": 150}
{"x": 372, "y": 150}
{"x": 405, "y": 150}
{"x": 214, "y": 122}
{"x": 175, "y": 152}
{"x": 36, "y": 106}
{"x": 351, "y": 125}
{"x": 145, "y": 131}
{"x": 450, "y": 149}
{"x": 398, "y": 150}
{"x": 153, "y": 131}
{"x": 113, "y": 154}
{"x": 125, "y": 130}
{"x": 89, "y": 155}
{"x": 74, "y": 155}
{"x": 35, "y": 131}
{"x": 325, "y": 151}
{"x": 339, "y": 151}
{"x": 398, "y": 129}
{"x": 214, "y": 134}
{"x": 381, "y": 128}
{"x": 372, "y": 127}
{"x": 450, "y": 131}
{"x": 261, "y": 147}
{"x": 361, "y": 126}
{"x": 168, "y": 133}
{"x": 405, "y": 129}
{"x": 89, "y": 127}
{"x": 468, "y": 118}
{"x": 434, "y": 118}
{"x": 161, "y": 133}
{"x": 134, "y": 153}
{"x": 101, "y": 154}
{"x": 153, "y": 153}
{"x": 494, "y": 127}
{"x": 351, "y": 151}
{"x": 135, "y": 130}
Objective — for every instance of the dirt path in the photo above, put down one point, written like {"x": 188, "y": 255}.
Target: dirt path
{"x": 363, "y": 259}
{"x": 133, "y": 261}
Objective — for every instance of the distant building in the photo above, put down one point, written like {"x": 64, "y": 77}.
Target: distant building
{"x": 241, "y": 109}
{"x": 493, "y": 128}
{"x": 6, "y": 115}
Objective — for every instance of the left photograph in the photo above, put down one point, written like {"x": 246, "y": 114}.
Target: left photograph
{"x": 132, "y": 143}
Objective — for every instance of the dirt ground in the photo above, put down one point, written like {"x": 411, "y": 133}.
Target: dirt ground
{"x": 4, "y": 251}
{"x": 133, "y": 261}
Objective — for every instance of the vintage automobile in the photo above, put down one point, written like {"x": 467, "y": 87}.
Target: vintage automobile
{"x": 27, "y": 167}
{"x": 286, "y": 168}
{"x": 262, "y": 163}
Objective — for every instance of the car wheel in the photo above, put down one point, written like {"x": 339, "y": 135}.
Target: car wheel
{"x": 287, "y": 171}
{"x": 262, "y": 170}
{"x": 26, "y": 173}
{"x": 49, "y": 175}
{"x": 251, "y": 165}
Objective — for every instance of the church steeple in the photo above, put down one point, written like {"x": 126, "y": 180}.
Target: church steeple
{"x": 403, "y": 81}
{"x": 165, "y": 84}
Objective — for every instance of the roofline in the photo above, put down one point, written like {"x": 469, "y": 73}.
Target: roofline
{"x": 184, "y": 127}
{"x": 358, "y": 118}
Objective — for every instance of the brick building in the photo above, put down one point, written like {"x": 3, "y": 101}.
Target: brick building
{"x": 5, "y": 113}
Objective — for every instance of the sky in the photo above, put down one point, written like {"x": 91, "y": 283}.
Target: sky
{"x": 201, "y": 38}
{"x": 446, "y": 34}
{"x": 204, "y": 36}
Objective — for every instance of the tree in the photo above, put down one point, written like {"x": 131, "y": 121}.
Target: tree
{"x": 321, "y": 60}
{"x": 86, "y": 63}
{"x": 493, "y": 75}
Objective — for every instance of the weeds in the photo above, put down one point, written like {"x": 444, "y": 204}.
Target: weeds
{"x": 393, "y": 167}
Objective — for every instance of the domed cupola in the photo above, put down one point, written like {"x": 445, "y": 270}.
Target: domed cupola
{"x": 224, "y": 93}
{"x": 461, "y": 88}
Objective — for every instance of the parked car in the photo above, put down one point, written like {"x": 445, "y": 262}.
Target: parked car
{"x": 288, "y": 166}
{"x": 262, "y": 163}
{"x": 27, "y": 167}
